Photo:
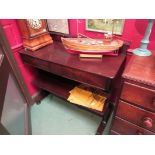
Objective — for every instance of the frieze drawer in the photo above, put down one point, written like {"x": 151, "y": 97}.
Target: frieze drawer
{"x": 74, "y": 74}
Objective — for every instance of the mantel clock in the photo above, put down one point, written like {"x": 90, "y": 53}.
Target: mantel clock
{"x": 34, "y": 33}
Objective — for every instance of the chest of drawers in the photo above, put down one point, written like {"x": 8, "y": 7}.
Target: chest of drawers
{"x": 135, "y": 112}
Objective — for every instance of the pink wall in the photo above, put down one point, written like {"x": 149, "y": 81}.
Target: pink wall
{"x": 12, "y": 32}
{"x": 14, "y": 37}
{"x": 133, "y": 31}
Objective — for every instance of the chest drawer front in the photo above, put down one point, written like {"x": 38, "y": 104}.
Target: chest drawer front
{"x": 126, "y": 128}
{"x": 139, "y": 95}
{"x": 136, "y": 115}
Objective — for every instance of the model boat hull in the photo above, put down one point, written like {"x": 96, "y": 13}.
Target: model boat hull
{"x": 91, "y": 46}
{"x": 113, "y": 53}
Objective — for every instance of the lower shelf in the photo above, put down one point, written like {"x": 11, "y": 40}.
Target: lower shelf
{"x": 60, "y": 87}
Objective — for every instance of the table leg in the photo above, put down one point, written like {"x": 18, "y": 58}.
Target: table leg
{"x": 101, "y": 128}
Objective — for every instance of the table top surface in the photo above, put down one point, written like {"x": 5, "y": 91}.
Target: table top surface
{"x": 108, "y": 66}
{"x": 141, "y": 69}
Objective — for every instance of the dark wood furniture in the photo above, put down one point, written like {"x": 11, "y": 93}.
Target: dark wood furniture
{"x": 135, "y": 113}
{"x": 59, "y": 72}
{"x": 8, "y": 66}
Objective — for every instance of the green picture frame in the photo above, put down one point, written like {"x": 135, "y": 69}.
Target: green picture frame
{"x": 105, "y": 25}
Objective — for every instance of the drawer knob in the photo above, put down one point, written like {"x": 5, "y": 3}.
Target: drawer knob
{"x": 147, "y": 122}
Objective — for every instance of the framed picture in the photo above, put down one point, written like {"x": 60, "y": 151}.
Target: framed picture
{"x": 105, "y": 25}
{"x": 58, "y": 25}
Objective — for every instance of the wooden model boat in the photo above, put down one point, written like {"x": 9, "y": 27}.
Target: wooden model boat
{"x": 91, "y": 46}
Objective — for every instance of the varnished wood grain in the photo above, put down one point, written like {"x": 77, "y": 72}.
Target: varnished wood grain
{"x": 60, "y": 87}
{"x": 36, "y": 43}
{"x": 124, "y": 127}
{"x": 55, "y": 59}
{"x": 134, "y": 114}
{"x": 28, "y": 32}
{"x": 34, "y": 39}
{"x": 141, "y": 69}
{"x": 56, "y": 53}
{"x": 137, "y": 100}
{"x": 139, "y": 95}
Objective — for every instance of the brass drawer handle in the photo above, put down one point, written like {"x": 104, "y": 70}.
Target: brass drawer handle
{"x": 147, "y": 122}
